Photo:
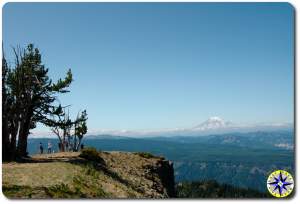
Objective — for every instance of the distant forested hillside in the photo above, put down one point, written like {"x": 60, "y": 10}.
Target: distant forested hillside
{"x": 212, "y": 189}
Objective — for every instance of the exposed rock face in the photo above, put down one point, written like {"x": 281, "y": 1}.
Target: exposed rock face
{"x": 162, "y": 175}
{"x": 66, "y": 175}
{"x": 166, "y": 174}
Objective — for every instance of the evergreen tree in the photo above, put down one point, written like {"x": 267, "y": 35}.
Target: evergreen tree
{"x": 80, "y": 129}
{"x": 29, "y": 97}
{"x": 6, "y": 111}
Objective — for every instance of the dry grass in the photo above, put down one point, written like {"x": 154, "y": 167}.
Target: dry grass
{"x": 66, "y": 175}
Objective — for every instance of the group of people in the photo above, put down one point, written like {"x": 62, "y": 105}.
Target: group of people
{"x": 49, "y": 148}
{"x": 61, "y": 147}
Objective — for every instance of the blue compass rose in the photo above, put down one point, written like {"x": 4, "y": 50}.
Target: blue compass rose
{"x": 280, "y": 183}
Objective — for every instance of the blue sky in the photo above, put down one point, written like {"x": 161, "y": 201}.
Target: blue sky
{"x": 160, "y": 65}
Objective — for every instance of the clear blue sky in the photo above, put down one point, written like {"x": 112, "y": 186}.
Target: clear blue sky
{"x": 160, "y": 65}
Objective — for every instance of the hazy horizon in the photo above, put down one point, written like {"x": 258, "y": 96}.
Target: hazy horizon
{"x": 196, "y": 130}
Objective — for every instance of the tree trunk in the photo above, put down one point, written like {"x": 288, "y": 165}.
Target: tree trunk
{"x": 75, "y": 143}
{"x": 23, "y": 136}
{"x": 13, "y": 139}
{"x": 6, "y": 155}
{"x": 78, "y": 145}
{"x": 61, "y": 144}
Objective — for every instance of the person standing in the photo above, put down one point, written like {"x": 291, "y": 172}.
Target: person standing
{"x": 49, "y": 147}
{"x": 41, "y": 148}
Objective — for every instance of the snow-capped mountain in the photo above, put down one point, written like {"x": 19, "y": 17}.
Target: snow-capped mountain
{"x": 213, "y": 123}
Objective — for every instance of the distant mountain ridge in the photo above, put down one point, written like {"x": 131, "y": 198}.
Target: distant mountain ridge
{"x": 213, "y": 125}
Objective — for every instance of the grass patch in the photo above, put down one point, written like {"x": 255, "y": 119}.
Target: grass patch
{"x": 89, "y": 170}
{"x": 90, "y": 189}
{"x": 17, "y": 191}
{"x": 22, "y": 192}
{"x": 61, "y": 191}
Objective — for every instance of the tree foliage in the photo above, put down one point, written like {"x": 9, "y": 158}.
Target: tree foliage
{"x": 29, "y": 96}
{"x": 69, "y": 132}
{"x": 80, "y": 129}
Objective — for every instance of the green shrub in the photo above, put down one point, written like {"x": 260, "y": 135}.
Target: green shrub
{"x": 60, "y": 191}
{"x": 91, "y": 154}
{"x": 146, "y": 155}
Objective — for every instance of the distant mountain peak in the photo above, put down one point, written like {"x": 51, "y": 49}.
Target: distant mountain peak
{"x": 214, "y": 122}
{"x": 215, "y": 118}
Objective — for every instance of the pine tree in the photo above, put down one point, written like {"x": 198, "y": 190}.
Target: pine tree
{"x": 80, "y": 129}
{"x": 29, "y": 97}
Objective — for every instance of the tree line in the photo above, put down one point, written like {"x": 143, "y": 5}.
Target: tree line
{"x": 29, "y": 96}
{"x": 213, "y": 189}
